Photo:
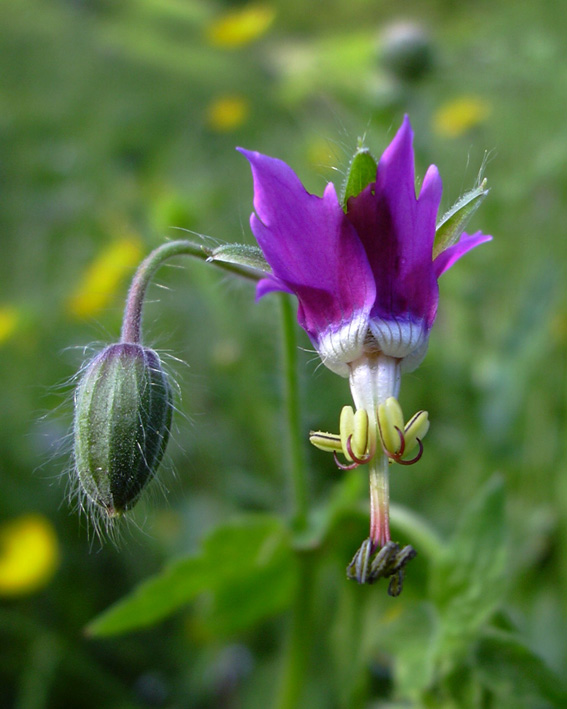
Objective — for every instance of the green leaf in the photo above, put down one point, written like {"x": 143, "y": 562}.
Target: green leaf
{"x": 455, "y": 220}
{"x": 241, "y": 254}
{"x": 411, "y": 638}
{"x": 517, "y": 675}
{"x": 468, "y": 580}
{"x": 460, "y": 688}
{"x": 361, "y": 172}
{"x": 257, "y": 595}
{"x": 247, "y": 565}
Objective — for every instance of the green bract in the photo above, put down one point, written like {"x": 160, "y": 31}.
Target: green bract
{"x": 123, "y": 409}
{"x": 452, "y": 224}
{"x": 242, "y": 255}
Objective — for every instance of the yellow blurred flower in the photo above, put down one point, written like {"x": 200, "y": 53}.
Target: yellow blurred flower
{"x": 29, "y": 555}
{"x": 104, "y": 276}
{"x": 9, "y": 321}
{"x": 458, "y": 116}
{"x": 227, "y": 113}
{"x": 240, "y": 27}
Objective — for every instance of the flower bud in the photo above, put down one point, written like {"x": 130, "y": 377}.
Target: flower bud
{"x": 123, "y": 409}
{"x": 407, "y": 51}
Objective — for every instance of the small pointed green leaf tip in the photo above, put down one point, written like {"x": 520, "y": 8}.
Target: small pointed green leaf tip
{"x": 453, "y": 223}
{"x": 242, "y": 255}
{"x": 361, "y": 172}
{"x": 123, "y": 409}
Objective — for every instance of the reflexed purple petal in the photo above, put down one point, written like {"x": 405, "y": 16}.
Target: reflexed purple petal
{"x": 310, "y": 245}
{"x": 398, "y": 230}
{"x": 447, "y": 258}
{"x": 269, "y": 285}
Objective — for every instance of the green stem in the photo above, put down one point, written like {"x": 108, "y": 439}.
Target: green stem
{"x": 293, "y": 415}
{"x": 298, "y": 649}
{"x": 132, "y": 323}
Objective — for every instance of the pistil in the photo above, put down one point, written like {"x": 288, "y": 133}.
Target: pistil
{"x": 379, "y": 501}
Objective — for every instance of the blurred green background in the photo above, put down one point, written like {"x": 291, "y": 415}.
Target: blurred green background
{"x": 118, "y": 123}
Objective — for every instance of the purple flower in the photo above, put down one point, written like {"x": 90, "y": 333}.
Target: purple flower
{"x": 365, "y": 279}
{"x": 366, "y": 283}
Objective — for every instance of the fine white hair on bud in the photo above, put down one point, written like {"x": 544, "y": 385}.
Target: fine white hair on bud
{"x": 123, "y": 410}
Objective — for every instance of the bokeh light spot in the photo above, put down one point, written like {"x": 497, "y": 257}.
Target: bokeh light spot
{"x": 104, "y": 276}
{"x": 9, "y": 321}
{"x": 458, "y": 116}
{"x": 227, "y": 113}
{"x": 29, "y": 555}
{"x": 240, "y": 27}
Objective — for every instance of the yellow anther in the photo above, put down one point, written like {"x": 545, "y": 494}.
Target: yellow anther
{"x": 391, "y": 419}
{"x": 328, "y": 442}
{"x": 416, "y": 428}
{"x": 359, "y": 442}
{"x": 346, "y": 427}
{"x": 356, "y": 440}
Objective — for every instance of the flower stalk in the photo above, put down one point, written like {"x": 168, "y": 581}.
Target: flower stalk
{"x": 297, "y": 653}
{"x": 132, "y": 323}
{"x": 297, "y": 462}
{"x": 124, "y": 403}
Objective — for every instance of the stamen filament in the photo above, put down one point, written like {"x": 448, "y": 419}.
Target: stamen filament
{"x": 344, "y": 466}
{"x": 412, "y": 460}
{"x": 359, "y": 460}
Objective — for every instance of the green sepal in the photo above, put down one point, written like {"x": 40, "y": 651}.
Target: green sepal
{"x": 361, "y": 172}
{"x": 455, "y": 220}
{"x": 242, "y": 255}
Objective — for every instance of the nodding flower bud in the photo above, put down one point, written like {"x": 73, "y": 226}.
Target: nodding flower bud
{"x": 123, "y": 409}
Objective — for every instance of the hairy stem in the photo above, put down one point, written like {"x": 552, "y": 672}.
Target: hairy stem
{"x": 132, "y": 322}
